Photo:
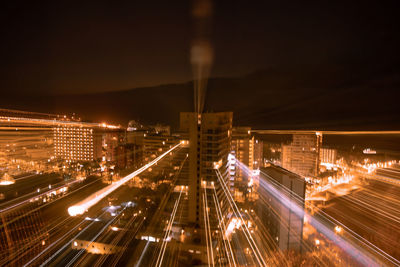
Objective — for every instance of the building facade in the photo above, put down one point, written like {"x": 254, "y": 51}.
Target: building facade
{"x": 242, "y": 148}
{"x": 75, "y": 143}
{"x": 328, "y": 155}
{"x": 303, "y": 154}
{"x": 153, "y": 144}
{"x": 283, "y": 224}
{"x": 209, "y": 136}
{"x": 128, "y": 155}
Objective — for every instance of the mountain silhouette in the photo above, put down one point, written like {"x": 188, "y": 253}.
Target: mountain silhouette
{"x": 334, "y": 97}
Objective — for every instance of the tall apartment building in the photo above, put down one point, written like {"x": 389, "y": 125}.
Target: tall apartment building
{"x": 209, "y": 136}
{"x": 249, "y": 151}
{"x": 77, "y": 143}
{"x": 258, "y": 154}
{"x": 242, "y": 147}
{"x": 283, "y": 225}
{"x": 246, "y": 149}
{"x": 303, "y": 154}
{"x": 111, "y": 139}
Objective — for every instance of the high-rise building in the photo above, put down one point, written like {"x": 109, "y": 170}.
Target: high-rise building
{"x": 303, "y": 154}
{"x": 242, "y": 148}
{"x": 76, "y": 143}
{"x": 111, "y": 138}
{"x": 246, "y": 149}
{"x": 258, "y": 154}
{"x": 209, "y": 136}
{"x": 283, "y": 225}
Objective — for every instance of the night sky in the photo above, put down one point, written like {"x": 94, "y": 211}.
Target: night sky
{"x": 277, "y": 64}
{"x": 53, "y": 47}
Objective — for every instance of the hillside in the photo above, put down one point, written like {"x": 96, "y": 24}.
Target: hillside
{"x": 326, "y": 98}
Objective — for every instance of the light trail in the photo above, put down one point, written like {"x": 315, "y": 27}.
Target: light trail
{"x": 210, "y": 255}
{"x": 381, "y": 178}
{"x": 93, "y": 239}
{"x": 25, "y": 177}
{"x": 54, "y": 243}
{"x": 22, "y": 251}
{"x": 357, "y": 254}
{"x": 235, "y": 209}
{"x": 7, "y": 119}
{"x": 49, "y": 191}
{"x": 129, "y": 239}
{"x": 362, "y": 203}
{"x": 209, "y": 227}
{"x": 325, "y": 132}
{"x": 42, "y": 206}
{"x": 333, "y": 221}
{"x": 67, "y": 243}
{"x": 268, "y": 243}
{"x": 115, "y": 242}
{"x": 163, "y": 203}
{"x": 222, "y": 226}
{"x": 168, "y": 231}
{"x": 88, "y": 202}
{"x": 142, "y": 255}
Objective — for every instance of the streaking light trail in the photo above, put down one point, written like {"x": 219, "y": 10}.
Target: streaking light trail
{"x": 236, "y": 211}
{"x": 168, "y": 231}
{"x": 356, "y": 252}
{"x": 88, "y": 202}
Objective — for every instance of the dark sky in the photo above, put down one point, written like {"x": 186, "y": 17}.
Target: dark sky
{"x": 66, "y": 46}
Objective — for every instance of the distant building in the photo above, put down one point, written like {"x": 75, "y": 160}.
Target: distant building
{"x": 303, "y": 154}
{"x": 134, "y": 126}
{"x": 284, "y": 226}
{"x": 242, "y": 148}
{"x": 160, "y": 129}
{"x": 110, "y": 140}
{"x": 328, "y": 155}
{"x": 136, "y": 137}
{"x": 153, "y": 144}
{"x": 76, "y": 143}
{"x": 258, "y": 154}
{"x": 128, "y": 155}
{"x": 249, "y": 152}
